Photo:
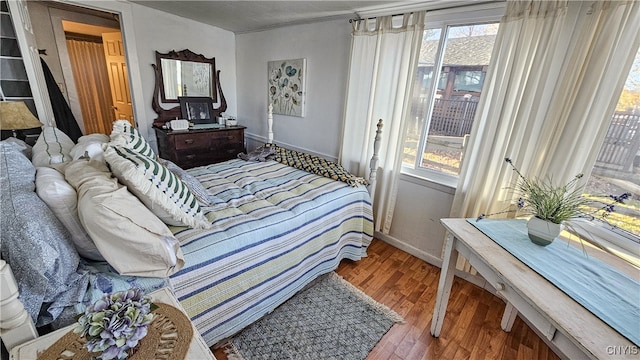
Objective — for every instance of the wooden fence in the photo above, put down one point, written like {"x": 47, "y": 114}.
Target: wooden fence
{"x": 618, "y": 153}
{"x": 621, "y": 144}
{"x": 452, "y": 117}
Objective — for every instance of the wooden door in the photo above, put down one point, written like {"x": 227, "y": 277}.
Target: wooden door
{"x": 118, "y": 77}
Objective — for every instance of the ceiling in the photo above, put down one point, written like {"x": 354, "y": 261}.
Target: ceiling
{"x": 241, "y": 16}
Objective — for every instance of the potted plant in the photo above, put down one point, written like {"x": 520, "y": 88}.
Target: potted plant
{"x": 550, "y": 205}
{"x": 116, "y": 323}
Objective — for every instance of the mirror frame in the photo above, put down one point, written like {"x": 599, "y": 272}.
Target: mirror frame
{"x": 165, "y": 115}
{"x": 185, "y": 55}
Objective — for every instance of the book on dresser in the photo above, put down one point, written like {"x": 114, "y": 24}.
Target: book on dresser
{"x": 191, "y": 148}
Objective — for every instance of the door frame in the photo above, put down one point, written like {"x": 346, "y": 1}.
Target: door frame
{"x": 124, "y": 11}
{"x": 31, "y": 59}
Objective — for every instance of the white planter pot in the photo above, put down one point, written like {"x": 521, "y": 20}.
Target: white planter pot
{"x": 542, "y": 232}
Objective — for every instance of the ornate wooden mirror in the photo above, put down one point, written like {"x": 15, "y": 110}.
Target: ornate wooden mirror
{"x": 184, "y": 73}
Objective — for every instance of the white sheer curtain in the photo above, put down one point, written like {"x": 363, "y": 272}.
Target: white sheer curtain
{"x": 383, "y": 64}
{"x": 550, "y": 93}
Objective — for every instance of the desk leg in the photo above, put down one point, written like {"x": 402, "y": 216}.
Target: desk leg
{"x": 509, "y": 316}
{"x": 444, "y": 285}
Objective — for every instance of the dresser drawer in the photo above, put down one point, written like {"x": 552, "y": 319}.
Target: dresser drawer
{"x": 227, "y": 137}
{"x": 192, "y": 141}
{"x": 229, "y": 152}
{"x": 189, "y": 159}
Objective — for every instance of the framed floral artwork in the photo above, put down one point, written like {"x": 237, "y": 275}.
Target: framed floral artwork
{"x": 287, "y": 86}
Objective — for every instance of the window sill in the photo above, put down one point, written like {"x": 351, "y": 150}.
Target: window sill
{"x": 624, "y": 246}
{"x": 443, "y": 185}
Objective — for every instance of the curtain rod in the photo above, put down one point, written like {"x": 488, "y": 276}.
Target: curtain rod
{"x": 375, "y": 17}
{"x": 428, "y": 5}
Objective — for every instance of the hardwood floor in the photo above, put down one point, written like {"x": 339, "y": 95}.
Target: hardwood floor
{"x": 408, "y": 285}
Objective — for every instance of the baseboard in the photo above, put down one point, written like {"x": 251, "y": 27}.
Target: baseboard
{"x": 420, "y": 254}
{"x": 425, "y": 256}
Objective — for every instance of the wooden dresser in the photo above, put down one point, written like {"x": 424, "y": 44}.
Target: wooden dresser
{"x": 193, "y": 148}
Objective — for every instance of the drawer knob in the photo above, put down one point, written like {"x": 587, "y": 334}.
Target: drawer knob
{"x": 499, "y": 287}
{"x": 188, "y": 141}
{"x": 230, "y": 137}
{"x": 191, "y": 156}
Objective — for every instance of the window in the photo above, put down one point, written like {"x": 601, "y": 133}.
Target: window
{"x": 617, "y": 167}
{"x": 469, "y": 81}
{"x": 441, "y": 118}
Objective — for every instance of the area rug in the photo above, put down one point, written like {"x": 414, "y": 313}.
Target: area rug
{"x": 330, "y": 319}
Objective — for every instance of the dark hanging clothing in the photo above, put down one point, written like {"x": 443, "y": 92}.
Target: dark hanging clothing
{"x": 65, "y": 120}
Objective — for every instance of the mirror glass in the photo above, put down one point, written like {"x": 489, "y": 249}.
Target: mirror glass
{"x": 186, "y": 78}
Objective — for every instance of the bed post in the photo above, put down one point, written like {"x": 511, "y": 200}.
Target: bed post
{"x": 16, "y": 325}
{"x": 373, "y": 165}
{"x": 270, "y": 124}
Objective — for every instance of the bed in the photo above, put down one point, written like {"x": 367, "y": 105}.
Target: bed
{"x": 272, "y": 229}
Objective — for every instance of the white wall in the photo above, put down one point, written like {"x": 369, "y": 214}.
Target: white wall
{"x": 326, "y": 47}
{"x": 416, "y": 226}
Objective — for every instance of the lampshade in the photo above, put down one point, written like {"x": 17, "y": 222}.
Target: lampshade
{"x": 15, "y": 115}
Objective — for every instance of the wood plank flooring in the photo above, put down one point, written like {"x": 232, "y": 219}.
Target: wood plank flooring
{"x": 408, "y": 285}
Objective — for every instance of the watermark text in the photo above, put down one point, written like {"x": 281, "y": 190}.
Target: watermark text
{"x": 623, "y": 350}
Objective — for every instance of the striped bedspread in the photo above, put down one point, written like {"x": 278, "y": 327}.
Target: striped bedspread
{"x": 275, "y": 228}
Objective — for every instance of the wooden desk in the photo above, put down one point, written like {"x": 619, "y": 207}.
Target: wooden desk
{"x": 567, "y": 326}
{"x": 198, "y": 350}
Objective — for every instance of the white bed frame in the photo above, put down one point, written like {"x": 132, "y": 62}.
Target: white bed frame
{"x": 17, "y": 327}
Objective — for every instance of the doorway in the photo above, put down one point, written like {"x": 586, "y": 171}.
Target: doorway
{"x": 88, "y": 62}
{"x": 100, "y": 75}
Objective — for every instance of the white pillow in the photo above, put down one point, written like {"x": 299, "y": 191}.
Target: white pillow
{"x": 96, "y": 137}
{"x": 91, "y": 144}
{"x": 52, "y": 147}
{"x": 132, "y": 239}
{"x": 158, "y": 188}
{"x": 62, "y": 199}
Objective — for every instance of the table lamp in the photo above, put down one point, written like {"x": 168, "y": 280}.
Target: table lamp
{"x": 15, "y": 115}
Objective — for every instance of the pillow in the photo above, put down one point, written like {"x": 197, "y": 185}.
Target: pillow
{"x": 127, "y": 136}
{"x": 91, "y": 144}
{"x": 63, "y": 201}
{"x": 128, "y": 235}
{"x": 52, "y": 147}
{"x": 19, "y": 146}
{"x": 34, "y": 242}
{"x": 158, "y": 188}
{"x": 197, "y": 189}
{"x": 95, "y": 137}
